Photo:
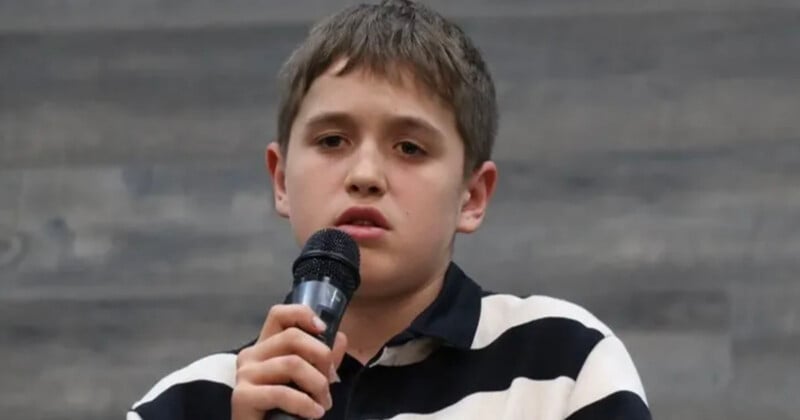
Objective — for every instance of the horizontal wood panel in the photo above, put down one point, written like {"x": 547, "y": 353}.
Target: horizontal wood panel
{"x": 553, "y": 220}
{"x": 50, "y": 15}
{"x": 650, "y": 171}
{"x": 669, "y": 83}
{"x": 103, "y": 355}
{"x": 93, "y": 360}
{"x": 141, "y": 340}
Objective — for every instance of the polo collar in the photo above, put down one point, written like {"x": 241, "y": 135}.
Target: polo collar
{"x": 452, "y": 317}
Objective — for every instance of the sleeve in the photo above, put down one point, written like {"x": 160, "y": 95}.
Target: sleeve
{"x": 608, "y": 386}
{"x": 201, "y": 390}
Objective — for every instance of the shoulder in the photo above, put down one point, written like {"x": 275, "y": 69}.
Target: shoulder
{"x": 536, "y": 314}
{"x": 557, "y": 338}
{"x": 201, "y": 389}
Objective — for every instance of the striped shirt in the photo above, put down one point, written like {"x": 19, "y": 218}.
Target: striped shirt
{"x": 471, "y": 354}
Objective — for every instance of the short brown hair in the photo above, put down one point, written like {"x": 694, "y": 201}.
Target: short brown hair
{"x": 381, "y": 36}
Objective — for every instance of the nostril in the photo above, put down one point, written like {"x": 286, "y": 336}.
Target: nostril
{"x": 367, "y": 189}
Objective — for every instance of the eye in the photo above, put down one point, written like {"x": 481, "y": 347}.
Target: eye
{"x": 331, "y": 141}
{"x": 410, "y": 149}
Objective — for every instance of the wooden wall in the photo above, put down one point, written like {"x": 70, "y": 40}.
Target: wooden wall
{"x": 650, "y": 171}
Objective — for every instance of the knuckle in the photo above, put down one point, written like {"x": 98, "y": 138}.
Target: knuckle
{"x": 293, "y": 362}
{"x": 294, "y": 333}
{"x": 274, "y": 311}
{"x": 321, "y": 386}
{"x": 244, "y": 372}
{"x": 239, "y": 395}
{"x": 324, "y": 355}
{"x": 309, "y": 406}
{"x": 282, "y": 393}
{"x": 242, "y": 358}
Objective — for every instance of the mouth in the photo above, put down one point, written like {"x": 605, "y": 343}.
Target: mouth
{"x": 363, "y": 217}
{"x": 363, "y": 223}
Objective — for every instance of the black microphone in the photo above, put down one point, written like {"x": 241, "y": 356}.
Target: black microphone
{"x": 326, "y": 274}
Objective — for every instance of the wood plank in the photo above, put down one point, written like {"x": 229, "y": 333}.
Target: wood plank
{"x": 765, "y": 312}
{"x": 102, "y": 355}
{"x": 43, "y": 15}
{"x": 94, "y": 359}
{"x": 767, "y": 373}
{"x": 566, "y": 84}
{"x": 562, "y": 224}
{"x": 726, "y": 407}
{"x": 650, "y": 171}
{"x": 695, "y": 366}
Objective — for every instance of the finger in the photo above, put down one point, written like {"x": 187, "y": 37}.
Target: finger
{"x": 292, "y": 341}
{"x": 289, "y": 369}
{"x": 281, "y": 317}
{"x": 251, "y": 401}
{"x": 337, "y": 354}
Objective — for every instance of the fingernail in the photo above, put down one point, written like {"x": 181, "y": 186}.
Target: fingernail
{"x": 319, "y": 411}
{"x": 319, "y": 324}
{"x": 333, "y": 376}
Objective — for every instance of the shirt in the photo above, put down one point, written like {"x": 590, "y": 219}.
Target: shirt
{"x": 471, "y": 354}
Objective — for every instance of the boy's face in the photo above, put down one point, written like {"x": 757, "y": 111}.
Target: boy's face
{"x": 382, "y": 161}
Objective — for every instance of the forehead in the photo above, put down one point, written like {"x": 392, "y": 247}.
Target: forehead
{"x": 361, "y": 89}
{"x": 398, "y": 73}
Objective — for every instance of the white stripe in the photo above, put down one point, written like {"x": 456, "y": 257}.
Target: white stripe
{"x": 409, "y": 353}
{"x": 500, "y": 313}
{"x": 220, "y": 368}
{"x": 608, "y": 369}
{"x": 524, "y": 400}
{"x": 132, "y": 415}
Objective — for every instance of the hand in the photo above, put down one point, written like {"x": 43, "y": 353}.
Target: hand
{"x": 286, "y": 353}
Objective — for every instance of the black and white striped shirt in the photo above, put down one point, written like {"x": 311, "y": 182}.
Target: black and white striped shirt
{"x": 471, "y": 354}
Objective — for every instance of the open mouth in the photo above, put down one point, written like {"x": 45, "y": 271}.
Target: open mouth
{"x": 363, "y": 223}
{"x": 363, "y": 216}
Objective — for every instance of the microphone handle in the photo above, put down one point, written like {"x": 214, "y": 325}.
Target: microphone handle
{"x": 329, "y": 303}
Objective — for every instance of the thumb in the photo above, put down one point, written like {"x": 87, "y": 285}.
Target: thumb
{"x": 337, "y": 354}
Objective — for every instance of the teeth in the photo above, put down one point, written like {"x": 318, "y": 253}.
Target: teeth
{"x": 363, "y": 223}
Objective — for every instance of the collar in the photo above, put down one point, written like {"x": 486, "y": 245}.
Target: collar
{"x": 452, "y": 317}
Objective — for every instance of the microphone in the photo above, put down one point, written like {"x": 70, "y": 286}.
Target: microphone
{"x": 326, "y": 274}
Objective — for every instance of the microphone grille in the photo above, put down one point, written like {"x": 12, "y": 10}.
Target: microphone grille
{"x": 329, "y": 253}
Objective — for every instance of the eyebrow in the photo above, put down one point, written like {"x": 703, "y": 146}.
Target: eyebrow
{"x": 416, "y": 123}
{"x": 330, "y": 118}
{"x": 403, "y": 122}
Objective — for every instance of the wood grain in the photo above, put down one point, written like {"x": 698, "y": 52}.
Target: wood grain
{"x": 650, "y": 170}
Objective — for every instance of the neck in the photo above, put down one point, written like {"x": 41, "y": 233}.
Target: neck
{"x": 371, "y": 322}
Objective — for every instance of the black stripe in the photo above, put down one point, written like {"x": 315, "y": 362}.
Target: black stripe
{"x": 542, "y": 349}
{"x": 197, "y": 400}
{"x": 622, "y": 405}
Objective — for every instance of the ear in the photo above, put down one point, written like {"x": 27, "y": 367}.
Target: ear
{"x": 275, "y": 165}
{"x": 477, "y": 193}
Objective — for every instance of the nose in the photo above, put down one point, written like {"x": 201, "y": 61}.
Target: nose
{"x": 366, "y": 176}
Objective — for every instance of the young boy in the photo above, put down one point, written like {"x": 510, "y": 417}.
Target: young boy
{"x": 385, "y": 131}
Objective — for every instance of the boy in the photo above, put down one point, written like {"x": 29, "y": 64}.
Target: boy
{"x": 385, "y": 131}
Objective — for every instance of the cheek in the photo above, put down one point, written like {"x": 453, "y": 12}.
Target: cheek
{"x": 432, "y": 208}
{"x": 308, "y": 187}
{"x": 307, "y": 173}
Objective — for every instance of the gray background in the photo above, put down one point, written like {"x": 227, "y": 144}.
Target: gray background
{"x": 650, "y": 171}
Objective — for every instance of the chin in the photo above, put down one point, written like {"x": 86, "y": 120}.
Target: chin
{"x": 381, "y": 277}
{"x": 384, "y": 276}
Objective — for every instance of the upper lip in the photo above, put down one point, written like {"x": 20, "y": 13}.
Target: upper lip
{"x": 371, "y": 214}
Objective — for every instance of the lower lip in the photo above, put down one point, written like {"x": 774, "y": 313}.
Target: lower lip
{"x": 359, "y": 232}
